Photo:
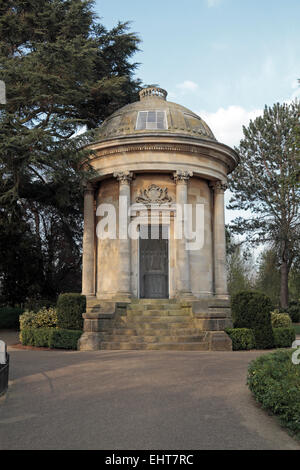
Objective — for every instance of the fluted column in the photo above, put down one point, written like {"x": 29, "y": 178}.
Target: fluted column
{"x": 182, "y": 266}
{"x": 88, "y": 247}
{"x": 124, "y": 288}
{"x": 219, "y": 189}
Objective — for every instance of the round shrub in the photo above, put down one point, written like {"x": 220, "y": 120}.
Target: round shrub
{"x": 280, "y": 320}
{"x": 253, "y": 310}
{"x": 44, "y": 318}
{"x": 70, "y": 308}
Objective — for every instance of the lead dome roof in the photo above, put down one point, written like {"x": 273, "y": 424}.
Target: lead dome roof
{"x": 180, "y": 120}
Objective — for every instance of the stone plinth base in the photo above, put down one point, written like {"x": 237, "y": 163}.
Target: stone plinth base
{"x": 220, "y": 341}
{"x": 89, "y": 342}
{"x": 162, "y": 324}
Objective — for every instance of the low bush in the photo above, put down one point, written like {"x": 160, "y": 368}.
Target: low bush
{"x": 284, "y": 337}
{"x": 275, "y": 383}
{"x": 64, "y": 339}
{"x": 242, "y": 338}
{"x": 294, "y": 311}
{"x": 9, "y": 317}
{"x": 252, "y": 310}
{"x": 27, "y": 319}
{"x": 35, "y": 337}
{"x": 50, "y": 338}
{"x": 44, "y": 318}
{"x": 280, "y": 320}
{"x": 70, "y": 308}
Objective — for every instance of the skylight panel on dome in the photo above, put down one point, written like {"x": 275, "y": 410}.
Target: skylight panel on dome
{"x": 151, "y": 120}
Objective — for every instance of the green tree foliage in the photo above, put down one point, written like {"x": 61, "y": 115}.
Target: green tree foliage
{"x": 64, "y": 72}
{"x": 268, "y": 276}
{"x": 294, "y": 280}
{"x": 240, "y": 270}
{"x": 266, "y": 183}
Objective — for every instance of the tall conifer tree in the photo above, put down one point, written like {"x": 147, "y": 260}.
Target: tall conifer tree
{"x": 64, "y": 71}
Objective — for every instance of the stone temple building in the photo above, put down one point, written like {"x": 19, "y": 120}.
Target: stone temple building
{"x": 164, "y": 289}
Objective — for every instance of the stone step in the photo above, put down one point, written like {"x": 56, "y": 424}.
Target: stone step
{"x": 153, "y": 301}
{"x": 170, "y": 331}
{"x": 119, "y": 338}
{"x": 158, "y": 313}
{"x": 143, "y": 321}
{"x": 201, "y": 346}
{"x": 156, "y": 306}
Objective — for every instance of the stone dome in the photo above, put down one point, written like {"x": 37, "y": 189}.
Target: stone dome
{"x": 154, "y": 115}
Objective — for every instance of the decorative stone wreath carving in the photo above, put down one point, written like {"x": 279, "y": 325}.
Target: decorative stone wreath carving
{"x": 154, "y": 195}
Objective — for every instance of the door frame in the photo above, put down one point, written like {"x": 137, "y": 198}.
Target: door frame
{"x": 138, "y": 259}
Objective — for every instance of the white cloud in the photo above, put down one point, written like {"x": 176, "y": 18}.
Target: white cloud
{"x": 187, "y": 86}
{"x": 227, "y": 124}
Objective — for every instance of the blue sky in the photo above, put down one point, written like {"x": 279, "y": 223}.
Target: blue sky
{"x": 238, "y": 52}
{"x": 224, "y": 59}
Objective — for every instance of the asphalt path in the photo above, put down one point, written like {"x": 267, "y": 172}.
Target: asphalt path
{"x": 132, "y": 400}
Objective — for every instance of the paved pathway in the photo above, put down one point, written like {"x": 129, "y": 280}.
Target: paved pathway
{"x": 134, "y": 400}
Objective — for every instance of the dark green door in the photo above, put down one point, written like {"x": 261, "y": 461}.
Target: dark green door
{"x": 154, "y": 265}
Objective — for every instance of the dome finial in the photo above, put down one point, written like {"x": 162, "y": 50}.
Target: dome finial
{"x": 153, "y": 91}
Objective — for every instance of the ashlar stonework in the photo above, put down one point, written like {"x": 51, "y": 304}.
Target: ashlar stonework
{"x": 145, "y": 293}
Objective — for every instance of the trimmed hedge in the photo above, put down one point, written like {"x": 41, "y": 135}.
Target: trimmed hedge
{"x": 35, "y": 337}
{"x": 70, "y": 308}
{"x": 275, "y": 383}
{"x": 284, "y": 337}
{"x": 64, "y": 339}
{"x": 9, "y": 317}
{"x": 252, "y": 310}
{"x": 280, "y": 320}
{"x": 242, "y": 338}
{"x": 50, "y": 338}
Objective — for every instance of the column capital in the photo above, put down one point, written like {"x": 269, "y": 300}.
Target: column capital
{"x": 218, "y": 186}
{"x": 89, "y": 187}
{"x": 182, "y": 176}
{"x": 124, "y": 177}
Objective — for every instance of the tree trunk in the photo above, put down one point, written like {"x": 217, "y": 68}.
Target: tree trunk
{"x": 284, "y": 289}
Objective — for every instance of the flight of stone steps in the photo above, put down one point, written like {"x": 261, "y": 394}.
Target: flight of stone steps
{"x": 159, "y": 324}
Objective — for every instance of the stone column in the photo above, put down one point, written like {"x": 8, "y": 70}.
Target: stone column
{"x": 124, "y": 287}
{"x": 182, "y": 266}
{"x": 221, "y": 291}
{"x": 88, "y": 247}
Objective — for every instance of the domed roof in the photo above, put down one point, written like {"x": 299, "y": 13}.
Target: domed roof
{"x": 153, "y": 114}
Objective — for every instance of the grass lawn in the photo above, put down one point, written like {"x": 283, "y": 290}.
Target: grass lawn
{"x": 296, "y": 327}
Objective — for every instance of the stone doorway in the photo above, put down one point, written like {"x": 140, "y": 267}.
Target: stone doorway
{"x": 154, "y": 262}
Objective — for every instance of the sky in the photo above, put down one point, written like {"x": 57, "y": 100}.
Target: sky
{"x": 223, "y": 59}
